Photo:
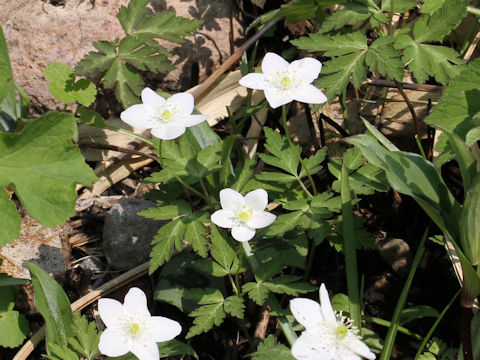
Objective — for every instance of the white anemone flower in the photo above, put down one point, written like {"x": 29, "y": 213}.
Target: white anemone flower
{"x": 130, "y": 327}
{"x": 167, "y": 118}
{"x": 284, "y": 82}
{"x": 243, "y": 214}
{"x": 328, "y": 335}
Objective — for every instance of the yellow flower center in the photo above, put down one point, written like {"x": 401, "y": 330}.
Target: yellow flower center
{"x": 286, "y": 82}
{"x": 166, "y": 115}
{"x": 341, "y": 331}
{"x": 134, "y": 328}
{"x": 243, "y": 213}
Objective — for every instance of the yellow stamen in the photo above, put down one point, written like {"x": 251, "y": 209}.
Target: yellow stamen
{"x": 341, "y": 331}
{"x": 134, "y": 328}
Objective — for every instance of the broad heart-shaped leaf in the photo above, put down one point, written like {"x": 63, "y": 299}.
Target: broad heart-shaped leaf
{"x": 13, "y": 328}
{"x": 457, "y": 109}
{"x": 426, "y": 60}
{"x": 42, "y": 166}
{"x": 469, "y": 225}
{"x": 384, "y": 58}
{"x": 436, "y": 26}
{"x": 52, "y": 302}
{"x": 63, "y": 86}
{"x": 126, "y": 83}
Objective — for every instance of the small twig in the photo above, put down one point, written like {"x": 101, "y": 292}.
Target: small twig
{"x": 410, "y": 107}
{"x": 332, "y": 123}
{"x": 408, "y": 86}
{"x": 119, "y": 149}
{"x": 83, "y": 302}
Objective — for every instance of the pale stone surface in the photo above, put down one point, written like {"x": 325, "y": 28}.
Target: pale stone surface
{"x": 47, "y": 247}
{"x": 39, "y": 34}
{"x": 127, "y": 235}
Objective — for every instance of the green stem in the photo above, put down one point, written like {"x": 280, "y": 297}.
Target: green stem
{"x": 385, "y": 323}
{"x": 435, "y": 324}
{"x": 311, "y": 255}
{"x": 287, "y": 330}
{"x": 392, "y": 330}
{"x": 129, "y": 133}
{"x": 473, "y": 10}
{"x": 290, "y": 143}
{"x": 350, "y": 250}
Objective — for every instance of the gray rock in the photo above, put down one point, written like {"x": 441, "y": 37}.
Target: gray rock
{"x": 397, "y": 253}
{"x": 127, "y": 236}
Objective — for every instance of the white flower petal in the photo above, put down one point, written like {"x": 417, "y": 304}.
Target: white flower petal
{"x": 230, "y": 199}
{"x": 164, "y": 329}
{"x": 151, "y": 98}
{"x": 111, "y": 344}
{"x": 277, "y": 98}
{"x": 184, "y": 101}
{"x": 223, "y": 218}
{"x": 309, "y": 68}
{"x": 242, "y": 233}
{"x": 273, "y": 62}
{"x": 191, "y": 120}
{"x": 145, "y": 351}
{"x": 309, "y": 94}
{"x": 138, "y": 116}
{"x": 168, "y": 131}
{"x": 260, "y": 220}
{"x": 358, "y": 347}
{"x": 110, "y": 310}
{"x": 307, "y": 312}
{"x": 135, "y": 302}
{"x": 308, "y": 346}
{"x": 257, "y": 199}
{"x": 255, "y": 81}
{"x": 326, "y": 306}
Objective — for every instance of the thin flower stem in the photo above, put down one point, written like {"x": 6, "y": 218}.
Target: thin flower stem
{"x": 287, "y": 330}
{"x": 349, "y": 245}
{"x": 435, "y": 324}
{"x": 392, "y": 330}
{"x": 290, "y": 143}
{"x": 311, "y": 255}
{"x": 129, "y": 133}
{"x": 234, "y": 286}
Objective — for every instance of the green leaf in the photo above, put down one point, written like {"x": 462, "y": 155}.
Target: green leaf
{"x": 167, "y": 237}
{"x": 469, "y": 226}
{"x": 130, "y": 17}
{"x": 243, "y": 172}
{"x": 86, "y": 337}
{"x": 300, "y": 10}
{"x": 383, "y": 58}
{"x": 284, "y": 223}
{"x": 313, "y": 163}
{"x": 7, "y": 301}
{"x": 196, "y": 232}
{"x": 42, "y": 166}
{"x": 166, "y": 25}
{"x": 436, "y": 26}
{"x": 457, "y": 109}
{"x": 282, "y": 156}
{"x": 224, "y": 250}
{"x": 426, "y": 60}
{"x": 398, "y": 5}
{"x": 52, "y": 302}
{"x": 417, "y": 312}
{"x": 258, "y": 292}
{"x": 6, "y": 77}
{"x": 13, "y": 329}
{"x": 96, "y": 63}
{"x": 63, "y": 86}
{"x": 61, "y": 352}
{"x": 234, "y": 306}
{"x": 289, "y": 284}
{"x": 175, "y": 347}
{"x": 90, "y": 117}
{"x": 9, "y": 217}
{"x": 126, "y": 83}
{"x": 430, "y": 6}
{"x": 210, "y": 314}
{"x": 167, "y": 210}
{"x": 335, "y": 45}
{"x": 347, "y": 16}
{"x": 271, "y": 349}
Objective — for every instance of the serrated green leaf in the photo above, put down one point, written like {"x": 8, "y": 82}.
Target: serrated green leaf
{"x": 125, "y": 82}
{"x": 86, "y": 337}
{"x": 52, "y": 302}
{"x": 13, "y": 329}
{"x": 457, "y": 108}
{"x": 430, "y": 6}
{"x": 398, "y": 5}
{"x": 144, "y": 57}
{"x": 284, "y": 223}
{"x": 243, "y": 172}
{"x": 348, "y": 16}
{"x": 258, "y": 292}
{"x": 175, "y": 347}
{"x": 289, "y": 284}
{"x": 417, "y": 312}
{"x": 313, "y": 163}
{"x": 383, "y": 58}
{"x": 363, "y": 239}
{"x": 130, "y": 17}
{"x": 224, "y": 249}
{"x": 42, "y": 166}
{"x": 234, "y": 306}
{"x": 426, "y": 60}
{"x": 274, "y": 176}
{"x": 167, "y": 210}
{"x": 337, "y": 72}
{"x": 90, "y": 117}
{"x": 167, "y": 237}
{"x": 282, "y": 156}
{"x": 196, "y": 232}
{"x": 270, "y": 349}
{"x": 300, "y": 10}
{"x": 210, "y": 314}
{"x": 335, "y": 45}
{"x": 166, "y": 25}
{"x": 95, "y": 63}
{"x": 436, "y": 26}
{"x": 63, "y": 86}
